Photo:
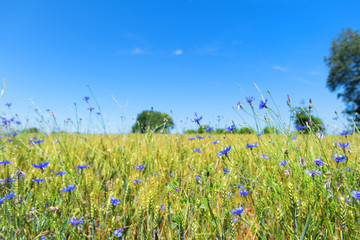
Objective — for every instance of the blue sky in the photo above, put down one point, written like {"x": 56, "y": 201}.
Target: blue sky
{"x": 176, "y": 56}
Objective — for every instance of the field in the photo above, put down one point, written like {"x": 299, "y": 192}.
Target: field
{"x": 163, "y": 186}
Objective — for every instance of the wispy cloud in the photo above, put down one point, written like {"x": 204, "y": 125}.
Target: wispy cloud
{"x": 315, "y": 73}
{"x": 133, "y": 51}
{"x": 300, "y": 79}
{"x": 178, "y": 52}
{"x": 279, "y": 68}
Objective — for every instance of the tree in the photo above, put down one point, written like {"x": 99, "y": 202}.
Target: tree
{"x": 344, "y": 64}
{"x": 304, "y": 121}
{"x": 154, "y": 121}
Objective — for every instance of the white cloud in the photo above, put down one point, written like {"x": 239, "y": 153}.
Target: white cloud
{"x": 178, "y": 52}
{"x": 279, "y": 68}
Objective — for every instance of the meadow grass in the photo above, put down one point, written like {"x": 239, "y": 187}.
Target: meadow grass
{"x": 183, "y": 194}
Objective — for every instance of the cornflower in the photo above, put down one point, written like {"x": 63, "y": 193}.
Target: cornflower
{"x": 338, "y": 158}
{"x": 197, "y": 150}
{"x": 77, "y": 222}
{"x": 343, "y": 145}
{"x": 312, "y": 173}
{"x": 244, "y": 192}
{"x": 114, "y": 201}
{"x": 237, "y": 211}
{"x": 263, "y": 104}
{"x": 37, "y": 180}
{"x": 41, "y": 165}
{"x": 250, "y": 99}
{"x": 82, "y": 166}
{"x": 68, "y": 188}
{"x": 5, "y": 162}
{"x": 251, "y": 146}
{"x": 118, "y": 232}
{"x": 230, "y": 128}
{"x": 86, "y": 99}
{"x": 137, "y": 180}
{"x": 283, "y": 163}
{"x": 226, "y": 171}
{"x": 225, "y": 151}
{"x": 318, "y": 162}
{"x": 60, "y": 173}
{"x": 140, "y": 167}
{"x": 208, "y": 129}
{"x": 356, "y": 194}
{"x": 264, "y": 156}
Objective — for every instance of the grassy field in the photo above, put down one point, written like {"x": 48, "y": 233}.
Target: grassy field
{"x": 162, "y": 186}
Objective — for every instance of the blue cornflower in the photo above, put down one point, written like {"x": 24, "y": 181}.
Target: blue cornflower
{"x": 162, "y": 207}
{"x": 2, "y": 199}
{"x": 264, "y": 156}
{"x": 199, "y": 137}
{"x": 263, "y": 104}
{"x": 237, "y": 211}
{"x": 86, "y": 99}
{"x": 225, "y": 151}
{"x": 345, "y": 132}
{"x": 191, "y": 138}
{"x": 283, "y": 163}
{"x": 318, "y": 162}
{"x": 259, "y": 134}
{"x": 41, "y": 165}
{"x": 197, "y": 177}
{"x": 37, "y": 180}
{"x": 339, "y": 158}
{"x": 197, "y": 150}
{"x": 208, "y": 129}
{"x": 114, "y": 201}
{"x": 10, "y": 195}
{"x": 137, "y": 180}
{"x": 68, "y": 188}
{"x": 82, "y": 166}
{"x": 312, "y": 173}
{"x": 8, "y": 105}
{"x": 36, "y": 142}
{"x": 5, "y": 162}
{"x": 230, "y": 128}
{"x": 251, "y": 146}
{"x": 91, "y": 109}
{"x": 226, "y": 171}
{"x": 140, "y": 167}
{"x": 239, "y": 186}
{"x": 60, "y": 173}
{"x": 234, "y": 220}
{"x": 244, "y": 192}
{"x": 300, "y": 127}
{"x": 229, "y": 194}
{"x": 356, "y": 194}
{"x": 118, "y": 232}
{"x": 250, "y": 99}
{"x": 98, "y": 113}
{"x": 197, "y": 119}
{"x": 216, "y": 142}
{"x": 343, "y": 145}
{"x": 77, "y": 222}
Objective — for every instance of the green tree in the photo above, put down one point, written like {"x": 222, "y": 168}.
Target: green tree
{"x": 344, "y": 64}
{"x": 154, "y": 121}
{"x": 305, "y": 122}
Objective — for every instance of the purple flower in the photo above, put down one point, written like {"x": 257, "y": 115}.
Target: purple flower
{"x": 250, "y": 99}
{"x": 356, "y": 194}
{"x": 137, "y": 180}
{"x": 208, "y": 129}
{"x": 197, "y": 150}
{"x": 199, "y": 137}
{"x": 312, "y": 173}
{"x": 68, "y": 188}
{"x": 176, "y": 188}
{"x": 226, "y": 171}
{"x": 60, "y": 173}
{"x": 230, "y": 128}
{"x": 37, "y": 180}
{"x": 244, "y": 192}
{"x": 339, "y": 158}
{"x": 197, "y": 119}
{"x": 140, "y": 167}
{"x": 283, "y": 163}
{"x": 229, "y": 194}
{"x": 318, "y": 162}
{"x": 77, "y": 222}
{"x": 343, "y": 145}
{"x": 118, "y": 232}
{"x": 234, "y": 220}
{"x": 114, "y": 201}
{"x": 86, "y": 99}
{"x": 197, "y": 177}
{"x": 239, "y": 186}
{"x": 5, "y": 162}
{"x": 8, "y": 105}
{"x": 41, "y": 165}
{"x": 216, "y": 142}
{"x": 91, "y": 109}
{"x": 82, "y": 166}
{"x": 300, "y": 127}
{"x": 345, "y": 132}
{"x": 10, "y": 195}
{"x": 263, "y": 104}
{"x": 237, "y": 211}
{"x": 251, "y": 146}
{"x": 225, "y": 151}
{"x": 191, "y": 138}
{"x": 264, "y": 156}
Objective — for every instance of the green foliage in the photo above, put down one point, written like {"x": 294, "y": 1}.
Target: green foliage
{"x": 307, "y": 121}
{"x": 344, "y": 64}
{"x": 30, "y": 130}
{"x": 245, "y": 130}
{"x": 154, "y": 121}
{"x": 270, "y": 130}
